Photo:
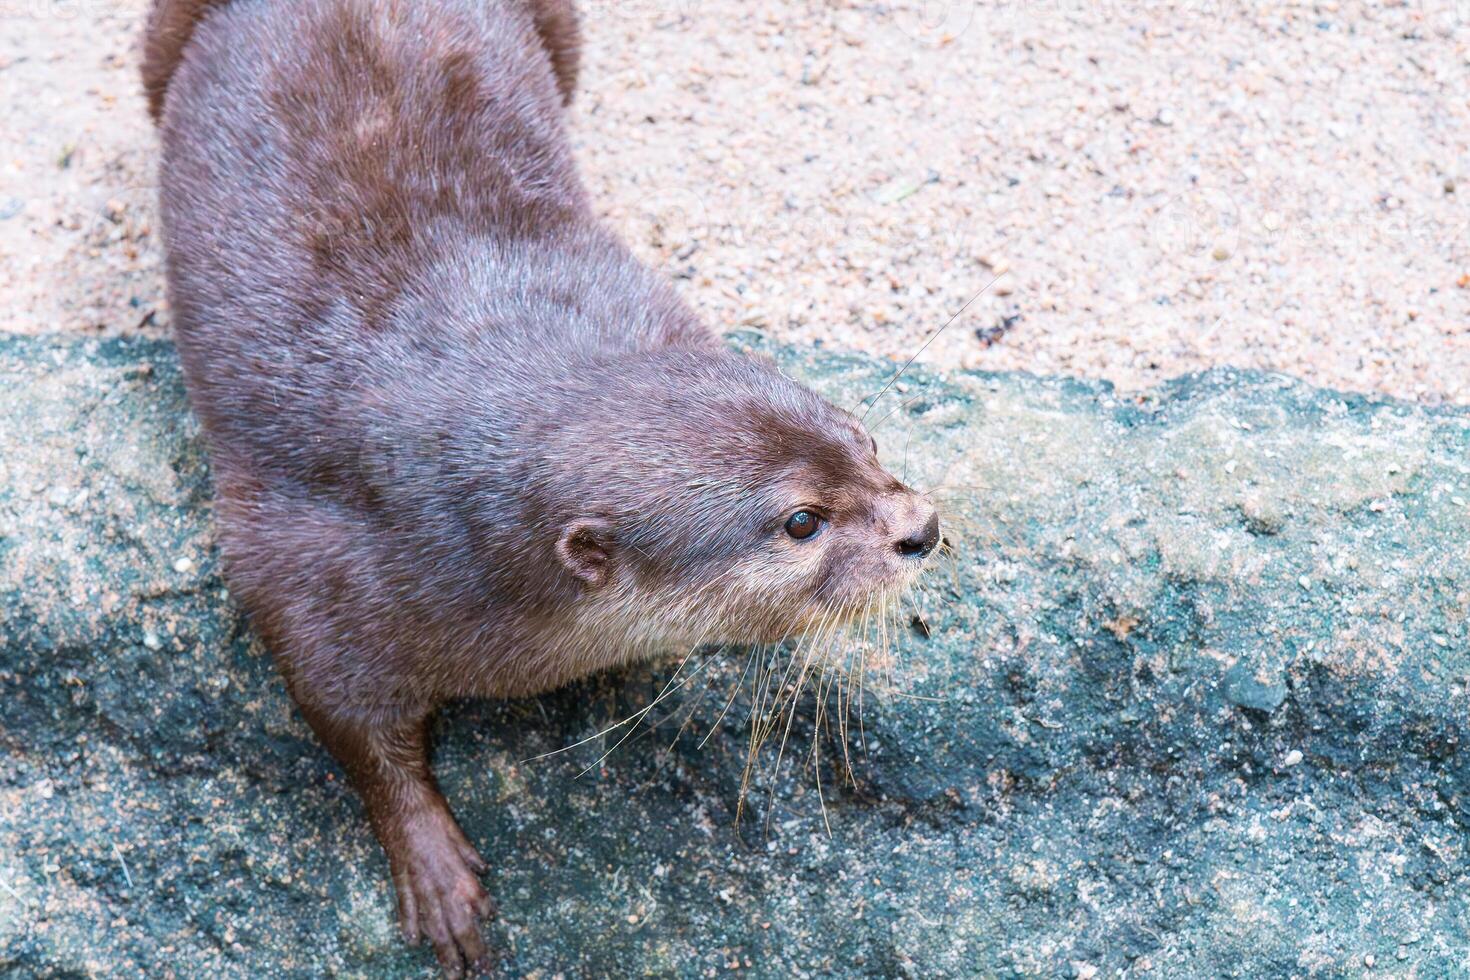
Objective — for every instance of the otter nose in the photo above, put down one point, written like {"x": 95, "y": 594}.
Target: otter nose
{"x": 921, "y": 540}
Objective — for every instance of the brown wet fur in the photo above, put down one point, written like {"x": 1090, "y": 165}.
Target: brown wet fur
{"x": 463, "y": 443}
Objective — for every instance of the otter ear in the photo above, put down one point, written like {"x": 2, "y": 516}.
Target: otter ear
{"x": 585, "y": 549}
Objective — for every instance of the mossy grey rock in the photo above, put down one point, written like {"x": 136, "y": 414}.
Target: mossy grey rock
{"x": 1189, "y": 700}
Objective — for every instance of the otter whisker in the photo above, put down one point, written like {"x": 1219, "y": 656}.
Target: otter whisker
{"x": 755, "y": 722}
{"x": 829, "y": 623}
{"x": 908, "y": 696}
{"x": 862, "y": 689}
{"x": 844, "y": 706}
{"x": 734, "y": 692}
{"x": 855, "y": 657}
{"x": 636, "y": 716}
{"x": 693, "y": 706}
{"x": 886, "y": 647}
{"x": 849, "y": 687}
{"x": 947, "y": 487}
{"x": 770, "y": 719}
{"x": 821, "y": 694}
{"x": 838, "y": 677}
{"x": 639, "y": 717}
{"x": 759, "y": 728}
{"x": 922, "y": 347}
{"x": 869, "y": 638}
{"x": 904, "y": 478}
{"x": 901, "y": 406}
{"x": 821, "y": 797}
{"x": 790, "y": 713}
{"x": 800, "y": 656}
{"x": 764, "y": 722}
{"x": 984, "y": 533}
{"x": 827, "y": 678}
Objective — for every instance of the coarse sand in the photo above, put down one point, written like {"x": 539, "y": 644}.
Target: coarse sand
{"x": 1147, "y": 188}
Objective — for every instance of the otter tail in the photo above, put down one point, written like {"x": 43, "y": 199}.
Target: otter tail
{"x": 170, "y": 25}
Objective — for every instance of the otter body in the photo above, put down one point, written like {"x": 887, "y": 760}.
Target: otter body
{"x": 464, "y": 444}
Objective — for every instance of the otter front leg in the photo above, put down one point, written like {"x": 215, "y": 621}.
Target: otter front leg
{"x": 434, "y": 866}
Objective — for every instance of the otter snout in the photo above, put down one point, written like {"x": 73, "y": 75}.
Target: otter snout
{"x": 922, "y": 534}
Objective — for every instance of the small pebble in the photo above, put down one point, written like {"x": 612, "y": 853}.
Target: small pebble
{"x": 1292, "y": 758}
{"x": 184, "y": 565}
{"x": 997, "y": 265}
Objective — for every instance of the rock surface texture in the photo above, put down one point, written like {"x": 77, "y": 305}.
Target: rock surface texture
{"x": 1189, "y": 700}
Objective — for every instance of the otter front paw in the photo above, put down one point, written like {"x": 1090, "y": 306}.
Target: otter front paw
{"x": 440, "y": 896}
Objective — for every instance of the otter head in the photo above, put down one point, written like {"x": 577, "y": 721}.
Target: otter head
{"x": 717, "y": 500}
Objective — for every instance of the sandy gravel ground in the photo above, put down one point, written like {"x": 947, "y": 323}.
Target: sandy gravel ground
{"x": 1161, "y": 185}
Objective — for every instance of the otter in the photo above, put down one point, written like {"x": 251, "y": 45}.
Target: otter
{"x": 463, "y": 443}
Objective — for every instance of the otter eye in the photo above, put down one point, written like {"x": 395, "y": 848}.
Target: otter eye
{"x": 803, "y": 524}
